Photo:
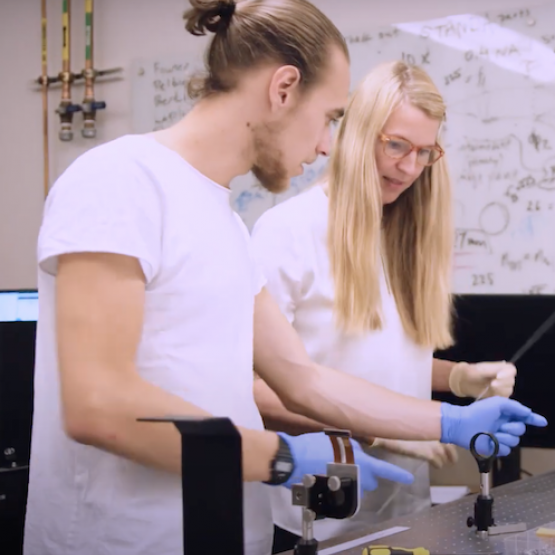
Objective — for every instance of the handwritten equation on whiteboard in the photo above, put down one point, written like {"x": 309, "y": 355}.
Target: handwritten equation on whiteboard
{"x": 497, "y": 74}
{"x": 160, "y": 93}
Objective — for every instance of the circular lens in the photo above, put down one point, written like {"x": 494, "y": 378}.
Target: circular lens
{"x": 396, "y": 148}
{"x": 427, "y": 156}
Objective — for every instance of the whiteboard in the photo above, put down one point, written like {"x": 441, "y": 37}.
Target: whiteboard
{"x": 496, "y": 72}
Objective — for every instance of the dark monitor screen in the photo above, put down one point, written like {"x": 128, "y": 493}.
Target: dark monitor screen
{"x": 18, "y": 316}
{"x": 495, "y": 327}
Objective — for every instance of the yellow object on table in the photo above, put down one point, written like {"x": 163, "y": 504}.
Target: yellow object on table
{"x": 545, "y": 532}
{"x": 386, "y": 550}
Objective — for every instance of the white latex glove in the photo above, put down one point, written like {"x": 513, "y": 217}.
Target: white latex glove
{"x": 483, "y": 379}
{"x": 436, "y": 453}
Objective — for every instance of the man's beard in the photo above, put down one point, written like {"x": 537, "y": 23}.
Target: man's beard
{"x": 268, "y": 167}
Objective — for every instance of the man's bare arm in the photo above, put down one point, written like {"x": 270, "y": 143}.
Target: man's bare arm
{"x": 100, "y": 299}
{"x": 327, "y": 395}
{"x": 277, "y": 417}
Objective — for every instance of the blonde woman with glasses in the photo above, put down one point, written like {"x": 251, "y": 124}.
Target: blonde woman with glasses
{"x": 361, "y": 265}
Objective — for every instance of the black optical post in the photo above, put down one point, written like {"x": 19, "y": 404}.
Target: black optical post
{"x": 212, "y": 485}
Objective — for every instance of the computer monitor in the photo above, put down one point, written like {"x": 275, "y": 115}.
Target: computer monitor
{"x": 19, "y": 306}
{"x": 495, "y": 327}
{"x": 18, "y": 325}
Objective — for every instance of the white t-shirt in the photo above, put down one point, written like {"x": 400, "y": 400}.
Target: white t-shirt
{"x": 289, "y": 241}
{"x": 135, "y": 197}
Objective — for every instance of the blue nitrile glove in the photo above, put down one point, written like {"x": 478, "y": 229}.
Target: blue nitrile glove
{"x": 505, "y": 418}
{"x": 312, "y": 453}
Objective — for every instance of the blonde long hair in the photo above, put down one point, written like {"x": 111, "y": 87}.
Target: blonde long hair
{"x": 414, "y": 233}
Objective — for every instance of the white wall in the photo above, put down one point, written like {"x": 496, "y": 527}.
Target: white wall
{"x": 125, "y": 30}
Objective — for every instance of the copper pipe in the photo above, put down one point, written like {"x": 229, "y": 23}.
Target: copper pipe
{"x": 66, "y": 109}
{"x": 44, "y": 83}
{"x": 89, "y": 64}
{"x": 90, "y": 105}
{"x": 66, "y": 67}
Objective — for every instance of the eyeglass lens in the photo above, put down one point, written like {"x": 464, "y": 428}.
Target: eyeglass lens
{"x": 398, "y": 148}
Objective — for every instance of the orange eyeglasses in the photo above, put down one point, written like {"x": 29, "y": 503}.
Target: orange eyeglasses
{"x": 397, "y": 148}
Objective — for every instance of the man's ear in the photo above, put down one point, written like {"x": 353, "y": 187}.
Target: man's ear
{"x": 284, "y": 87}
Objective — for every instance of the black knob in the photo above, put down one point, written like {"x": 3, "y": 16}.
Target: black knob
{"x": 10, "y": 455}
